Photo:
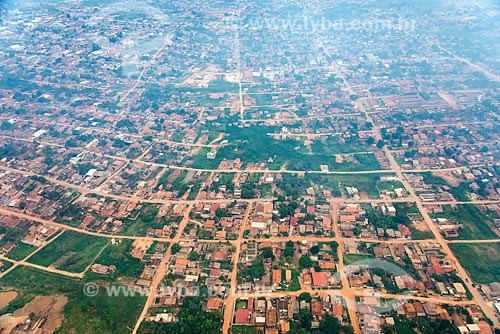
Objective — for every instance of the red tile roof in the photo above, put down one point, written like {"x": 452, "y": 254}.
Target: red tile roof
{"x": 242, "y": 317}
{"x": 319, "y": 278}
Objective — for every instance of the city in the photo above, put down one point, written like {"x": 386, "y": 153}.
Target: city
{"x": 250, "y": 167}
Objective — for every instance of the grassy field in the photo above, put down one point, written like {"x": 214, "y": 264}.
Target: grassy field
{"x": 253, "y": 144}
{"x": 367, "y": 183}
{"x": 474, "y": 222}
{"x": 237, "y": 329}
{"x": 421, "y": 235}
{"x": 294, "y": 285}
{"x": 99, "y": 314}
{"x": 482, "y": 261}
{"x": 403, "y": 215}
{"x": 145, "y": 220}
{"x": 241, "y": 304}
{"x": 352, "y": 258}
{"x": 4, "y": 265}
{"x": 389, "y": 185}
{"x": 460, "y": 192}
{"x": 119, "y": 256}
{"x": 72, "y": 252}
{"x": 333, "y": 145}
{"x": 21, "y": 251}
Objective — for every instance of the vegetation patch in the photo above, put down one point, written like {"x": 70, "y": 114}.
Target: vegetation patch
{"x": 99, "y": 314}
{"x": 72, "y": 251}
{"x": 482, "y": 261}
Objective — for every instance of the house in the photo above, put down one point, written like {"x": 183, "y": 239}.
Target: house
{"x": 242, "y": 316}
{"x": 316, "y": 308}
{"x": 268, "y": 208}
{"x": 307, "y": 279}
{"x": 419, "y": 309}
{"x": 271, "y": 317}
{"x": 484, "y": 327}
{"x": 214, "y": 304}
{"x": 338, "y": 311}
{"x": 459, "y": 288}
{"x": 288, "y": 275}
{"x": 7, "y": 247}
{"x": 410, "y": 310}
{"x": 319, "y": 279}
{"x": 430, "y": 309}
{"x": 219, "y": 256}
{"x": 474, "y": 312}
{"x": 276, "y": 276}
{"x": 182, "y": 263}
{"x": 326, "y": 265}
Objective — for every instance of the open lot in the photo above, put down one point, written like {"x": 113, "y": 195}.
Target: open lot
{"x": 82, "y": 314}
{"x": 72, "y": 252}
{"x": 482, "y": 261}
{"x": 21, "y": 251}
{"x": 119, "y": 255}
{"x": 475, "y": 222}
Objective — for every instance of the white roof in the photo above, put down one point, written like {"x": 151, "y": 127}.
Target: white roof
{"x": 497, "y": 306}
{"x": 191, "y": 278}
{"x": 260, "y": 320}
{"x": 259, "y": 225}
{"x": 473, "y": 328}
{"x": 91, "y": 172}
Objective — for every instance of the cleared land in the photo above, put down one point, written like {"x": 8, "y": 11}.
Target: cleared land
{"x": 475, "y": 222}
{"x": 72, "y": 252}
{"x": 82, "y": 314}
{"x": 482, "y": 261}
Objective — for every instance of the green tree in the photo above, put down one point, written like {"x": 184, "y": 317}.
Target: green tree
{"x": 289, "y": 249}
{"x": 267, "y": 253}
{"x": 305, "y": 261}
{"x": 194, "y": 256}
{"x": 314, "y": 250}
{"x": 305, "y": 318}
{"x": 175, "y": 248}
{"x": 306, "y": 296}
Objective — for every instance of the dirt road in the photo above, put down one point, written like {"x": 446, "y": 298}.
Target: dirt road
{"x": 161, "y": 271}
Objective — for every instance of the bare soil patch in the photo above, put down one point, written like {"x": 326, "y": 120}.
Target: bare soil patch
{"x": 140, "y": 247}
{"x": 421, "y": 226}
{"x": 6, "y": 297}
{"x": 448, "y": 177}
{"x": 47, "y": 311}
{"x": 363, "y": 195}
